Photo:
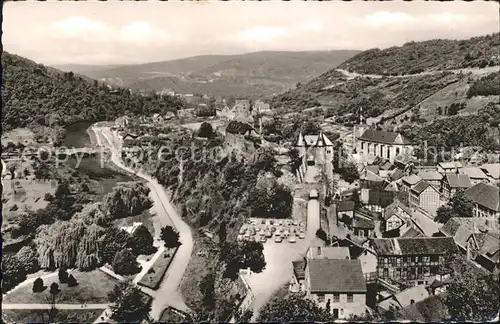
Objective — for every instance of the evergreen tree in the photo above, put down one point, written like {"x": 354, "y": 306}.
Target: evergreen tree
{"x": 38, "y": 285}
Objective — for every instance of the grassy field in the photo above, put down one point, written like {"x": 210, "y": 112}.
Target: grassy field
{"x": 92, "y": 288}
{"x": 41, "y": 316}
{"x": 170, "y": 316}
{"x": 153, "y": 278}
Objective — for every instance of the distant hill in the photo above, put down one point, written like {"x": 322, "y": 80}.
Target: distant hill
{"x": 432, "y": 55}
{"x": 253, "y": 74}
{"x": 446, "y": 79}
{"x": 34, "y": 94}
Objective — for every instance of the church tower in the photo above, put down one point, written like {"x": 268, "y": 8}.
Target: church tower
{"x": 358, "y": 130}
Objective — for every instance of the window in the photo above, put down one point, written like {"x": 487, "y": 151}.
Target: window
{"x": 350, "y": 298}
{"x": 328, "y": 151}
{"x": 321, "y": 298}
{"x": 336, "y": 297}
{"x": 386, "y": 272}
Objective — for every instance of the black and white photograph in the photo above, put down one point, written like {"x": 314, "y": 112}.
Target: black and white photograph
{"x": 250, "y": 161}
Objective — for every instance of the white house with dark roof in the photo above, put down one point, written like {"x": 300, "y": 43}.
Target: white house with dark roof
{"x": 425, "y": 196}
{"x": 431, "y": 176}
{"x": 409, "y": 182}
{"x": 387, "y": 145}
{"x": 337, "y": 285}
{"x": 452, "y": 182}
{"x": 449, "y": 167}
{"x": 486, "y": 200}
{"x": 396, "y": 216}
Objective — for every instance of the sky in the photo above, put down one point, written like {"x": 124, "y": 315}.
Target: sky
{"x": 112, "y": 32}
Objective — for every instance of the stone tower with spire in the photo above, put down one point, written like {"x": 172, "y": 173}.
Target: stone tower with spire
{"x": 359, "y": 129}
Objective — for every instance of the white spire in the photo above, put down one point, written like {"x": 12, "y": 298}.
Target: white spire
{"x": 300, "y": 140}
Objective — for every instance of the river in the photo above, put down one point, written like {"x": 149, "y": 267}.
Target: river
{"x": 77, "y": 137}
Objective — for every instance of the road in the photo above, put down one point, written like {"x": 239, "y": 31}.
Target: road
{"x": 168, "y": 293}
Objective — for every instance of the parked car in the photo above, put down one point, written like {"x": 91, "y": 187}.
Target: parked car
{"x": 295, "y": 223}
{"x": 278, "y": 239}
{"x": 263, "y": 239}
{"x": 302, "y": 235}
{"x": 273, "y": 229}
{"x": 269, "y": 234}
{"x": 286, "y": 232}
{"x": 292, "y": 239}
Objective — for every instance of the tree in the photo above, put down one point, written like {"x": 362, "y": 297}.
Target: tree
{"x": 170, "y": 237}
{"x": 206, "y": 130}
{"x": 143, "y": 241}
{"x": 72, "y": 281}
{"x": 129, "y": 304}
{"x": 207, "y": 289}
{"x": 461, "y": 204}
{"x": 38, "y": 285}
{"x": 295, "y": 160}
{"x": 63, "y": 275}
{"x": 54, "y": 291}
{"x": 350, "y": 172}
{"x": 28, "y": 257}
{"x": 311, "y": 128}
{"x": 293, "y": 308}
{"x": 471, "y": 298}
{"x": 125, "y": 263}
{"x": 444, "y": 214}
{"x": 13, "y": 272}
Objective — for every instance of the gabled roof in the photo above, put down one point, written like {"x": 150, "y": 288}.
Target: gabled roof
{"x": 373, "y": 168}
{"x": 335, "y": 275}
{"x": 431, "y": 309}
{"x": 362, "y": 222}
{"x": 414, "y": 246}
{"x": 397, "y": 174}
{"x": 488, "y": 244}
{"x": 458, "y": 180}
{"x": 396, "y": 204}
{"x": 405, "y": 297}
{"x": 492, "y": 169}
{"x": 383, "y": 137}
{"x": 485, "y": 195}
{"x": 300, "y": 140}
{"x": 421, "y": 186}
{"x": 474, "y": 173}
{"x": 328, "y": 252}
{"x": 412, "y": 232}
{"x": 430, "y": 175}
{"x": 450, "y": 165}
{"x": 412, "y": 179}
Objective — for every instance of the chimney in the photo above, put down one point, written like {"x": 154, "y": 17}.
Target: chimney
{"x": 319, "y": 250}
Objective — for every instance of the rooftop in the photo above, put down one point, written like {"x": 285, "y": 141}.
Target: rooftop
{"x": 414, "y": 246}
{"x": 421, "y": 186}
{"x": 431, "y": 309}
{"x": 485, "y": 195}
{"x": 334, "y": 275}
{"x": 405, "y": 297}
{"x": 328, "y": 252}
{"x": 412, "y": 232}
{"x": 299, "y": 269}
{"x": 412, "y": 179}
{"x": 474, "y": 173}
{"x": 492, "y": 169}
{"x": 430, "y": 175}
{"x": 344, "y": 205}
{"x": 383, "y": 137}
{"x": 458, "y": 180}
{"x": 313, "y": 140}
{"x": 450, "y": 165}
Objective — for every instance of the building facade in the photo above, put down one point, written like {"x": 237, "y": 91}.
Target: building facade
{"x": 336, "y": 285}
{"x": 425, "y": 196}
{"x": 486, "y": 200}
{"x": 315, "y": 150}
{"x": 387, "y": 145}
{"x": 411, "y": 260}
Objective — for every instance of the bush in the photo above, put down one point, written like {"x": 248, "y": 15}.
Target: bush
{"x": 63, "y": 275}
{"x": 321, "y": 234}
{"x": 125, "y": 263}
{"x": 170, "y": 237}
{"x": 206, "y": 130}
{"x": 72, "y": 281}
{"x": 28, "y": 258}
{"x": 38, "y": 285}
{"x": 142, "y": 241}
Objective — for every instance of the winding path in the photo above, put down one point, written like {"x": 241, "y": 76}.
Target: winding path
{"x": 168, "y": 293}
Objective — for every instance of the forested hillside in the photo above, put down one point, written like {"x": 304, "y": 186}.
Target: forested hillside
{"x": 432, "y": 55}
{"x": 35, "y": 94}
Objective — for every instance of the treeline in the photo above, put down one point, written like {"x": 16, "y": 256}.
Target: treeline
{"x": 34, "y": 94}
{"x": 488, "y": 85}
{"x": 417, "y": 57}
{"x": 459, "y": 130}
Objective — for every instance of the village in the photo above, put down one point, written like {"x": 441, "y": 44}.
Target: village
{"x": 381, "y": 235}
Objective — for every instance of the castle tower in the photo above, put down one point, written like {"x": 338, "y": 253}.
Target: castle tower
{"x": 301, "y": 145}
{"x": 320, "y": 150}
